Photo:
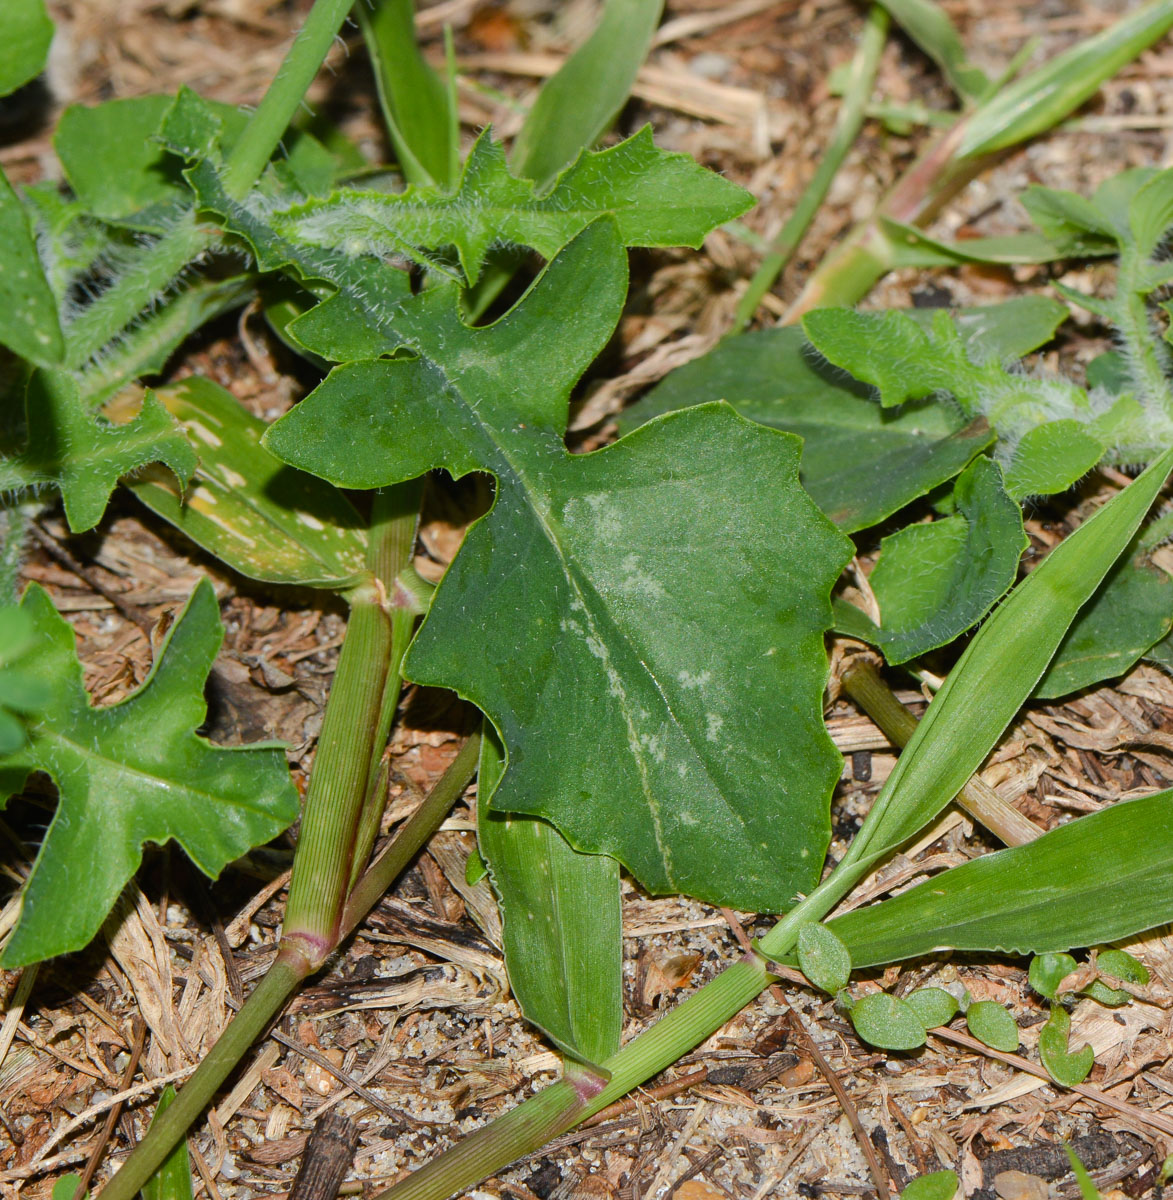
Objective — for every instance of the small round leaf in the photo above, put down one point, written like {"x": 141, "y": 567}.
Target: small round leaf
{"x": 824, "y": 959}
{"x": 1123, "y": 965}
{"x": 1064, "y": 1067}
{"x": 990, "y": 1023}
{"x": 888, "y": 1022}
{"x": 940, "y": 1185}
{"x": 1109, "y": 997}
{"x": 933, "y": 1006}
{"x": 1046, "y": 970}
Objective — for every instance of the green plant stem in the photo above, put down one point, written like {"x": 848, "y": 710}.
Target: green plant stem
{"x": 562, "y": 1105}
{"x": 344, "y": 800}
{"x": 426, "y": 819}
{"x": 136, "y": 290}
{"x": 266, "y": 999}
{"x": 1145, "y": 350}
{"x": 167, "y": 258}
{"x": 341, "y": 779}
{"x": 394, "y": 522}
{"x": 282, "y": 980}
{"x": 863, "y": 684}
{"x": 851, "y": 117}
{"x": 847, "y": 274}
{"x": 267, "y": 126}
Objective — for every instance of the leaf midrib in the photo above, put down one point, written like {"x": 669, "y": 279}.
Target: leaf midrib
{"x": 579, "y": 581}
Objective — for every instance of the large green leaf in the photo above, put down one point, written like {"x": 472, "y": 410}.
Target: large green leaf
{"x": 246, "y": 507}
{"x": 1094, "y": 880}
{"x": 1131, "y": 612}
{"x": 132, "y": 773}
{"x": 643, "y": 624}
{"x": 83, "y": 454}
{"x": 28, "y": 32}
{"x": 28, "y": 308}
{"x": 578, "y": 103}
{"x": 562, "y": 922}
{"x": 934, "y": 581}
{"x": 860, "y": 462}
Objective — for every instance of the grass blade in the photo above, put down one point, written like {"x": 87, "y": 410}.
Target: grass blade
{"x": 1099, "y": 878}
{"x": 929, "y": 26}
{"x": 1043, "y": 98}
{"x": 581, "y": 100}
{"x": 421, "y": 119}
{"x": 1000, "y": 669}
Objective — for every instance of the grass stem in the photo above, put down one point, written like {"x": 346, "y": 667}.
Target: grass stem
{"x": 856, "y": 95}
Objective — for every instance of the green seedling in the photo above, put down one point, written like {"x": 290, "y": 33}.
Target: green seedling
{"x": 621, "y": 729}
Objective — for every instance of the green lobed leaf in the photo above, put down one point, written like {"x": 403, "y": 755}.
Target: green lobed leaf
{"x": 83, "y": 454}
{"x": 1051, "y": 432}
{"x": 823, "y": 958}
{"x": 28, "y": 308}
{"x": 264, "y": 519}
{"x": 578, "y": 103}
{"x": 665, "y": 199}
{"x": 884, "y": 1020}
{"x": 417, "y": 107}
{"x": 28, "y": 32}
{"x": 656, "y": 199}
{"x": 999, "y": 669}
{"x": 132, "y": 773}
{"x": 572, "y": 615}
{"x": 935, "y": 581}
{"x": 1128, "y": 615}
{"x": 1047, "y": 971}
{"x": 1065, "y": 1067}
{"x": 938, "y": 1185}
{"x": 990, "y": 1023}
{"x": 933, "y": 1006}
{"x": 562, "y": 923}
{"x": 172, "y": 1181}
{"x": 1097, "y": 879}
